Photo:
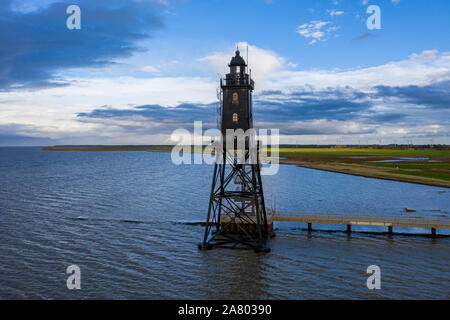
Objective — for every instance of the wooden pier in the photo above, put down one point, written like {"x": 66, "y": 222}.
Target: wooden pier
{"x": 366, "y": 220}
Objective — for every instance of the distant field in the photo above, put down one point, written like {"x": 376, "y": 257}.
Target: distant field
{"x": 435, "y": 170}
{"x": 367, "y": 152}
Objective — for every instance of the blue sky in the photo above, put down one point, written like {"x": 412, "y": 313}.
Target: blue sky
{"x": 137, "y": 70}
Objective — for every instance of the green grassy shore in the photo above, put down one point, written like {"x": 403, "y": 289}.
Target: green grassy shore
{"x": 434, "y": 170}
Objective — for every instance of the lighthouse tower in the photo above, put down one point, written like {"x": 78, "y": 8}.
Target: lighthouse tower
{"x": 237, "y": 96}
{"x": 237, "y": 213}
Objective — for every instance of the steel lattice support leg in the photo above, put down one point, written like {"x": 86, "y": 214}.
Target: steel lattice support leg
{"x": 204, "y": 245}
{"x": 228, "y": 208}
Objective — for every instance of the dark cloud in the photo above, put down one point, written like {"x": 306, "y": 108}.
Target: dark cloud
{"x": 364, "y": 36}
{"x": 156, "y": 118}
{"x": 436, "y": 95}
{"x": 309, "y": 109}
{"x": 20, "y": 140}
{"x": 329, "y": 105}
{"x": 270, "y": 92}
{"x": 294, "y": 113}
{"x": 387, "y": 117}
{"x": 185, "y": 112}
{"x": 35, "y": 46}
{"x": 19, "y": 135}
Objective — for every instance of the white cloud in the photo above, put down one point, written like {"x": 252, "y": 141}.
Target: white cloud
{"x": 419, "y": 69}
{"x": 262, "y": 62}
{"x": 364, "y": 2}
{"x": 316, "y": 30}
{"x": 335, "y": 12}
{"x": 150, "y": 69}
{"x": 52, "y": 112}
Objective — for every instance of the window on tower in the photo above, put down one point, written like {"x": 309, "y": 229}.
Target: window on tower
{"x": 235, "y": 98}
{"x": 235, "y": 118}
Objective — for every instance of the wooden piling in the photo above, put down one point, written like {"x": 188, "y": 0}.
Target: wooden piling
{"x": 389, "y": 221}
{"x": 433, "y": 232}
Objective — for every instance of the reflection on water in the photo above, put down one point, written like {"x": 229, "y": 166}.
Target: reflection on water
{"x": 403, "y": 160}
{"x": 121, "y": 217}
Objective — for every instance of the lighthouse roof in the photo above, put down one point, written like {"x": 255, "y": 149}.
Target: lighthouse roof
{"x": 237, "y": 60}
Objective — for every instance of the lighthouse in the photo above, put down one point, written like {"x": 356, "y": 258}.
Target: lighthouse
{"x": 236, "y": 215}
